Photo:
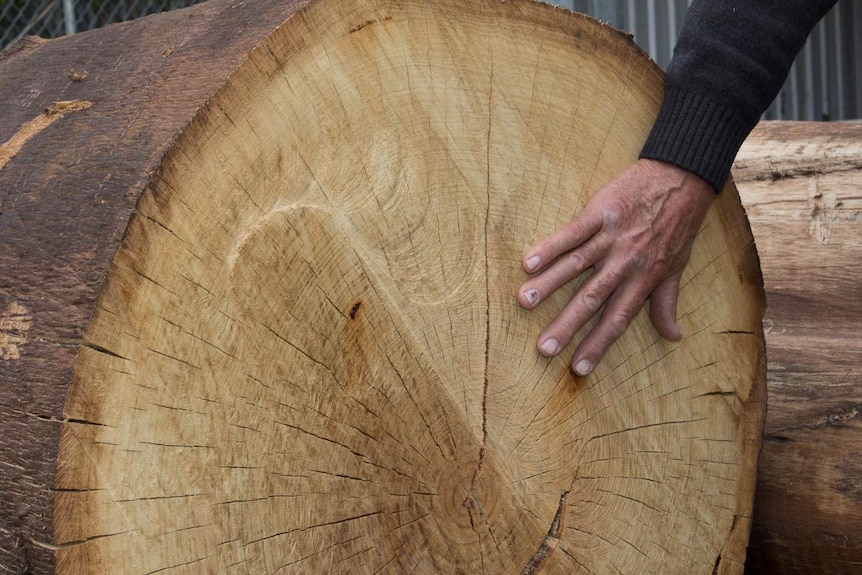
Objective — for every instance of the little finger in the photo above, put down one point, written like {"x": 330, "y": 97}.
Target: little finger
{"x": 619, "y": 312}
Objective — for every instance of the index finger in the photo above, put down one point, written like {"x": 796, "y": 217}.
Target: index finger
{"x": 567, "y": 238}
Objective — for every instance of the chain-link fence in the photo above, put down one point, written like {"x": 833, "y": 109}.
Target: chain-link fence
{"x": 53, "y": 18}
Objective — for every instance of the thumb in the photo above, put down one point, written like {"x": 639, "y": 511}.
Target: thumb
{"x": 662, "y": 309}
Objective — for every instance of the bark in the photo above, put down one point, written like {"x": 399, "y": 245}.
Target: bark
{"x": 272, "y": 276}
{"x": 800, "y": 184}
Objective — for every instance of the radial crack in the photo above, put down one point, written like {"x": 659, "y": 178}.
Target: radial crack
{"x": 549, "y": 543}
{"x": 481, "y": 462}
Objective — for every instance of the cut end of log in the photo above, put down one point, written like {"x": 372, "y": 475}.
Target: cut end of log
{"x": 308, "y": 355}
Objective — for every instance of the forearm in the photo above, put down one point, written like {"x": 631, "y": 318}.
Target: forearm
{"x": 729, "y": 63}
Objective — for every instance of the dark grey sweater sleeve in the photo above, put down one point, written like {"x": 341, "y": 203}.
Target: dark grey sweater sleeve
{"x": 730, "y": 61}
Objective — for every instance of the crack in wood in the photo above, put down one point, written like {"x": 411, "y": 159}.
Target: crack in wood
{"x": 717, "y": 565}
{"x": 316, "y": 526}
{"x": 58, "y": 546}
{"x": 178, "y": 565}
{"x": 85, "y": 422}
{"x": 481, "y": 461}
{"x": 789, "y": 173}
{"x": 719, "y": 394}
{"x": 100, "y": 349}
{"x": 549, "y": 543}
{"x": 362, "y": 25}
{"x": 354, "y": 309}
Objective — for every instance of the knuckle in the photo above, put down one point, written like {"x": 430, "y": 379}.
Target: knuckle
{"x": 613, "y": 216}
{"x": 594, "y": 349}
{"x": 591, "y": 301}
{"x": 607, "y": 282}
{"x": 576, "y": 260}
{"x": 618, "y": 323}
{"x": 612, "y": 221}
{"x": 636, "y": 259}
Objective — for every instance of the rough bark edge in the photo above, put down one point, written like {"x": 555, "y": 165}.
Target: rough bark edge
{"x": 25, "y": 44}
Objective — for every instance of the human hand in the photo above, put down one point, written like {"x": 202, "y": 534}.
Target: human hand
{"x": 636, "y": 233}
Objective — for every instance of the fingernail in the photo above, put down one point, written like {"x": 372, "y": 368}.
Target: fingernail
{"x": 550, "y": 346}
{"x": 532, "y": 296}
{"x": 584, "y": 367}
{"x": 533, "y": 263}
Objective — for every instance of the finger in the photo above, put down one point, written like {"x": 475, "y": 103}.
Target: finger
{"x": 563, "y": 240}
{"x": 586, "y": 302}
{"x": 619, "y": 312}
{"x": 565, "y": 269}
{"x": 663, "y": 305}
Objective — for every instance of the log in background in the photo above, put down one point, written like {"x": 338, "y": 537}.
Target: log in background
{"x": 801, "y": 184}
{"x": 47, "y": 307}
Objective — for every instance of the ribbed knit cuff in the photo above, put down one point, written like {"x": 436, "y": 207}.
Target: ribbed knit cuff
{"x": 696, "y": 134}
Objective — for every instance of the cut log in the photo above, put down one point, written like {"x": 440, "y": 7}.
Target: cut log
{"x": 801, "y": 184}
{"x": 287, "y": 337}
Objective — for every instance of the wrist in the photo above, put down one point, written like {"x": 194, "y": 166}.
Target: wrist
{"x": 672, "y": 176}
{"x": 696, "y": 134}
